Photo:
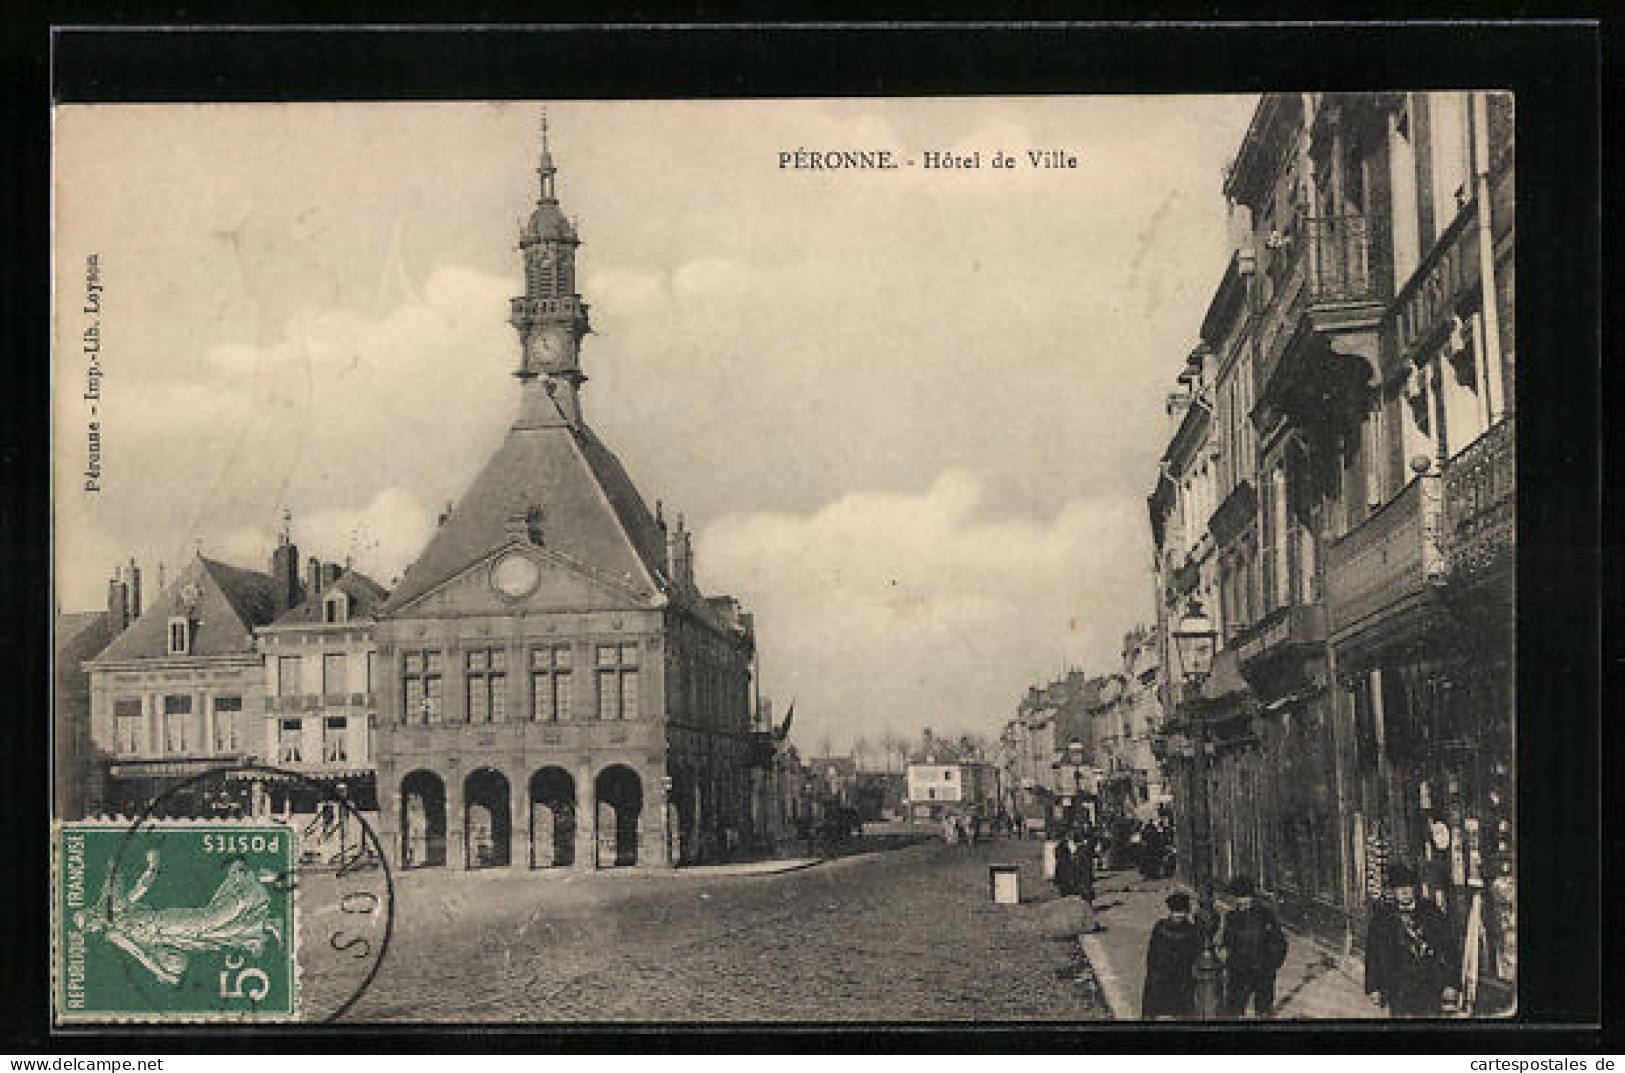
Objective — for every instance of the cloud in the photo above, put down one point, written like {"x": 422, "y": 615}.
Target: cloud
{"x": 384, "y": 412}
{"x": 913, "y": 609}
{"x": 381, "y": 537}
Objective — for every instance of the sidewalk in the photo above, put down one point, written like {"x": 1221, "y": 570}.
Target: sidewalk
{"x": 1315, "y": 982}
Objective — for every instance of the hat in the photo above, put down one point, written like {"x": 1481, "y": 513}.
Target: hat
{"x": 1179, "y": 902}
{"x": 1243, "y": 887}
{"x": 1401, "y": 875}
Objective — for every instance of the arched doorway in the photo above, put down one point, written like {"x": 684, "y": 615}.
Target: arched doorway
{"x": 423, "y": 820}
{"x": 552, "y": 818}
{"x": 620, "y": 801}
{"x": 487, "y": 824}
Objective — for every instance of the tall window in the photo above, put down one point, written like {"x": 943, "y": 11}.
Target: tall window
{"x": 129, "y": 724}
{"x": 226, "y": 710}
{"x": 289, "y": 670}
{"x": 420, "y": 687}
{"x": 290, "y": 741}
{"x": 333, "y": 731}
{"x": 178, "y": 723}
{"x": 335, "y": 677}
{"x": 180, "y": 636}
{"x": 617, "y": 681}
{"x": 550, "y": 683}
{"x": 486, "y": 681}
{"x": 372, "y": 661}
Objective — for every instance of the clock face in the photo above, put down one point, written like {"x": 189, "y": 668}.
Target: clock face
{"x": 549, "y": 348}
{"x": 190, "y": 593}
{"x": 515, "y": 575}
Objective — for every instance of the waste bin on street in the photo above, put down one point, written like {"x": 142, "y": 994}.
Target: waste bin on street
{"x": 1004, "y": 883}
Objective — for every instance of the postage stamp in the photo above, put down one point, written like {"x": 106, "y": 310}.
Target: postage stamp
{"x": 175, "y": 921}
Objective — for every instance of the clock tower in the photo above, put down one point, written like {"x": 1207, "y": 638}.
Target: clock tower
{"x": 551, "y": 318}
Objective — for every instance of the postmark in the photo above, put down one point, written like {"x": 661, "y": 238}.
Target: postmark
{"x": 253, "y": 920}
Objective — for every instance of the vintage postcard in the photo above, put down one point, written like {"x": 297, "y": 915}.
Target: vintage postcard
{"x": 991, "y": 559}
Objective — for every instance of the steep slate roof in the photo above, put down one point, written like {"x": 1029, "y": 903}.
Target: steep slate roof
{"x": 70, "y": 625}
{"x": 591, "y": 513}
{"x": 231, "y": 603}
{"x": 366, "y": 596}
{"x": 79, "y": 635}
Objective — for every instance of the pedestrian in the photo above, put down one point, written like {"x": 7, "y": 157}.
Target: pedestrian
{"x": 1206, "y": 916}
{"x": 1411, "y": 961}
{"x": 1075, "y": 877}
{"x": 1150, "y": 852}
{"x": 948, "y": 828}
{"x": 1170, "y": 957}
{"x": 1255, "y": 947}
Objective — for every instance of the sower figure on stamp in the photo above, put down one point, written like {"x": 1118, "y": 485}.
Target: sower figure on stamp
{"x": 1255, "y": 947}
{"x": 1170, "y": 957}
{"x": 1411, "y": 962}
{"x": 235, "y": 918}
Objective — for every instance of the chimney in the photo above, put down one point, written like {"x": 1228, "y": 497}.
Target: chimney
{"x": 118, "y": 602}
{"x": 675, "y": 564}
{"x": 285, "y": 574}
{"x": 135, "y": 590}
{"x": 315, "y": 574}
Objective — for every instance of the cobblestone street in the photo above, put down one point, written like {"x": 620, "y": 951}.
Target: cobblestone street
{"x": 905, "y": 935}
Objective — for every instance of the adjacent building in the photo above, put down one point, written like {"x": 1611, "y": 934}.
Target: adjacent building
{"x": 1337, "y": 499}
{"x": 180, "y": 691}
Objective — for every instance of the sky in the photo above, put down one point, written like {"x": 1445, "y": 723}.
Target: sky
{"x": 912, "y": 415}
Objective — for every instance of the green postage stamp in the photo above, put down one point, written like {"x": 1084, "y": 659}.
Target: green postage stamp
{"x": 175, "y": 921}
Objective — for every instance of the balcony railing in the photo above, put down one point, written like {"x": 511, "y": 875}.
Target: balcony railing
{"x": 1391, "y": 556}
{"x": 1480, "y": 504}
{"x": 1324, "y": 261}
{"x": 1288, "y": 627}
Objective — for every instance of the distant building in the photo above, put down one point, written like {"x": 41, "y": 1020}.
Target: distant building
{"x": 881, "y": 794}
{"x": 1047, "y": 751}
{"x": 939, "y": 779}
{"x": 836, "y": 778}
{"x": 1128, "y": 720}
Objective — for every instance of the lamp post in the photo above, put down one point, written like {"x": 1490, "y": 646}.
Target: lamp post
{"x": 1194, "y": 641}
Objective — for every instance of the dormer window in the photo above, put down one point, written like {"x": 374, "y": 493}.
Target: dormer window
{"x": 335, "y": 607}
{"x": 180, "y": 636}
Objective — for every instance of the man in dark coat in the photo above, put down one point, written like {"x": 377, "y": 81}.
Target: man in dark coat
{"x": 1075, "y": 877}
{"x": 1411, "y": 961}
{"x": 1176, "y": 943}
{"x": 1151, "y": 848}
{"x": 1255, "y": 947}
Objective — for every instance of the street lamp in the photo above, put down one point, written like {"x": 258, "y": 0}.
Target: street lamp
{"x": 1194, "y": 640}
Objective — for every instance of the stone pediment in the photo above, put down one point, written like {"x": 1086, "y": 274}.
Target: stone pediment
{"x": 518, "y": 576}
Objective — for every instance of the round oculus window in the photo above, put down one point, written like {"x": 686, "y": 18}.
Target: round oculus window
{"x": 516, "y": 575}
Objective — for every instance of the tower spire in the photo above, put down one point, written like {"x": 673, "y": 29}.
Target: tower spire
{"x": 550, "y": 317}
{"x": 545, "y": 168}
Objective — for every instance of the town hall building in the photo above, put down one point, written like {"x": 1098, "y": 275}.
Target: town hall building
{"x": 553, "y": 688}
